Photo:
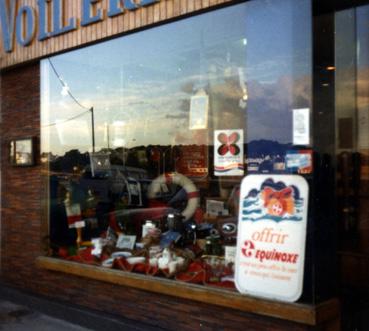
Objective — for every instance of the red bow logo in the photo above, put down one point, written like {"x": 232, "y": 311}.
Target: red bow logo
{"x": 228, "y": 143}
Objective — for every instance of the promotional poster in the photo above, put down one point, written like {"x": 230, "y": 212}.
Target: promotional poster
{"x": 271, "y": 236}
{"x": 228, "y": 153}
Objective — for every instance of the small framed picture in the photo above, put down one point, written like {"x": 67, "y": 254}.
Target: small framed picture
{"x": 22, "y": 152}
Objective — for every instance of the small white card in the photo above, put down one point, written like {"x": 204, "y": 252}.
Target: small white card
{"x": 214, "y": 207}
{"x": 230, "y": 254}
{"x": 301, "y": 126}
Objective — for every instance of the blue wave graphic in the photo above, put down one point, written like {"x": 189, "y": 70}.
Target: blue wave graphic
{"x": 257, "y": 211}
{"x": 252, "y": 210}
{"x": 247, "y": 203}
{"x": 276, "y": 219}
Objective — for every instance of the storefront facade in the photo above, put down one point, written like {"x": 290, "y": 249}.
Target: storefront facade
{"x": 127, "y": 128}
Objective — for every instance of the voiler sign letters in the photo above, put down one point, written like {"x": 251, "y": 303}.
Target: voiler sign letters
{"x": 271, "y": 236}
{"x": 49, "y": 20}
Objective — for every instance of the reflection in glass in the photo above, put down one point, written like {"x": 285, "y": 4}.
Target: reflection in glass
{"x": 157, "y": 98}
{"x": 352, "y": 150}
{"x": 352, "y": 112}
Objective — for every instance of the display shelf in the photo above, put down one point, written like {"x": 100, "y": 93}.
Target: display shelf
{"x": 322, "y": 313}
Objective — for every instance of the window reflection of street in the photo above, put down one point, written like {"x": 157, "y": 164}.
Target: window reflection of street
{"x": 155, "y": 111}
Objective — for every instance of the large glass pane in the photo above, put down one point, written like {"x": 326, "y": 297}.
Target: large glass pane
{"x": 147, "y": 137}
{"x": 352, "y": 148}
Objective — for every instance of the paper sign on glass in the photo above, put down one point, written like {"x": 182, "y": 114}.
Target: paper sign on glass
{"x": 301, "y": 126}
{"x": 228, "y": 153}
{"x": 271, "y": 236}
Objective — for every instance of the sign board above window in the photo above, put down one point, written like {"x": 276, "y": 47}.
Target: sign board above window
{"x": 45, "y": 27}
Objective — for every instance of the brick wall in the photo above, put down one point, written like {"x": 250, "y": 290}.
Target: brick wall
{"x": 22, "y": 232}
{"x": 20, "y": 186}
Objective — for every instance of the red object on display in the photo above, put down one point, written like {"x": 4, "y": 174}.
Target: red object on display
{"x": 63, "y": 252}
{"x": 83, "y": 256}
{"x": 113, "y": 222}
{"x": 72, "y": 219}
{"x": 196, "y": 273}
{"x": 122, "y": 264}
{"x": 140, "y": 267}
{"x": 199, "y": 216}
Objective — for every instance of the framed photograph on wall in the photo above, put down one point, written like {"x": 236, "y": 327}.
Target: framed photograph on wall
{"x": 22, "y": 152}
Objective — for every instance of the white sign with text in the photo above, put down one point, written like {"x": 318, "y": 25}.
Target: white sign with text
{"x": 301, "y": 126}
{"x": 271, "y": 236}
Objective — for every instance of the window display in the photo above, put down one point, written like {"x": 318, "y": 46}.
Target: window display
{"x": 146, "y": 138}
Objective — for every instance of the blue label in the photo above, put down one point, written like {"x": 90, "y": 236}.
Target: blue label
{"x": 24, "y": 23}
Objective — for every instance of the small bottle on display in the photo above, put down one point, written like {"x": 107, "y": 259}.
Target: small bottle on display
{"x": 146, "y": 227}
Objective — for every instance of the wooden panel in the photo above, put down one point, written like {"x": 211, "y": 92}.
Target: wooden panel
{"x": 301, "y": 313}
{"x": 128, "y": 21}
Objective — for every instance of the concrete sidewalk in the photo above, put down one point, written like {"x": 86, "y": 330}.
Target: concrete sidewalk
{"x": 14, "y": 317}
{"x": 20, "y": 311}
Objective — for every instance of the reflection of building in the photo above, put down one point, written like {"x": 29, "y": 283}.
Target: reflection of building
{"x": 23, "y": 158}
{"x": 280, "y": 56}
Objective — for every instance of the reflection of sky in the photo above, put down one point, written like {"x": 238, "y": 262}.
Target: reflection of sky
{"x": 145, "y": 80}
{"x": 278, "y": 36}
{"x": 278, "y": 58}
{"x": 362, "y": 28}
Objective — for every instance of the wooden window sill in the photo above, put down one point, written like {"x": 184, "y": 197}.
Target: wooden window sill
{"x": 295, "y": 312}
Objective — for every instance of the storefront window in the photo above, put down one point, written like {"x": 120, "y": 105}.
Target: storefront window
{"x": 147, "y": 137}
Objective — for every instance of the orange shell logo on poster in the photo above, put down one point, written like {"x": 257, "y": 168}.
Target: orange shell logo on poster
{"x": 278, "y": 203}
